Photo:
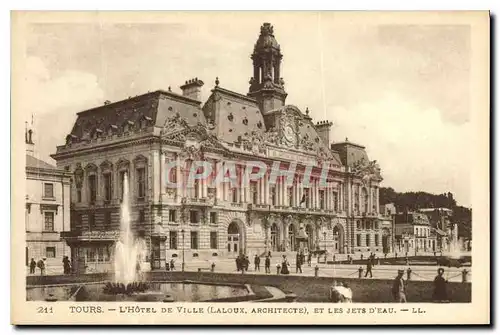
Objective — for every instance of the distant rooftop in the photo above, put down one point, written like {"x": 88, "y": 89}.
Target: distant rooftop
{"x": 32, "y": 162}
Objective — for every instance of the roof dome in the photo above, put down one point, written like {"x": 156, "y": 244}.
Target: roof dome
{"x": 266, "y": 39}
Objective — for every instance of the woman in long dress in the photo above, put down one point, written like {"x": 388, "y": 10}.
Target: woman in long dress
{"x": 284, "y": 266}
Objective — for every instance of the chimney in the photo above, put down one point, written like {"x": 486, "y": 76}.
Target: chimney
{"x": 28, "y": 136}
{"x": 192, "y": 89}
{"x": 323, "y": 129}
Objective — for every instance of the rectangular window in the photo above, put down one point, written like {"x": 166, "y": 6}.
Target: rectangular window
{"x": 107, "y": 218}
{"x": 194, "y": 216}
{"x": 213, "y": 217}
{"x": 307, "y": 194}
{"x": 367, "y": 240}
{"x": 173, "y": 240}
{"x": 358, "y": 225}
{"x": 91, "y": 220}
{"x": 48, "y": 190}
{"x": 213, "y": 240}
{"x": 142, "y": 216}
{"x": 79, "y": 195}
{"x": 376, "y": 240}
{"x": 141, "y": 183}
{"x": 253, "y": 191}
{"x": 196, "y": 186}
{"x": 50, "y": 252}
{"x": 107, "y": 186}
{"x": 335, "y": 201}
{"x": 235, "y": 195}
{"x": 358, "y": 240}
{"x": 100, "y": 254}
{"x": 194, "y": 240}
{"x": 273, "y": 195}
{"x": 290, "y": 196}
{"x": 122, "y": 176}
{"x": 173, "y": 176}
{"x": 92, "y": 188}
{"x": 49, "y": 221}
{"x": 322, "y": 199}
{"x": 171, "y": 215}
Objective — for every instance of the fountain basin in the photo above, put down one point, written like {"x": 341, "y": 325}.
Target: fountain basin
{"x": 156, "y": 292}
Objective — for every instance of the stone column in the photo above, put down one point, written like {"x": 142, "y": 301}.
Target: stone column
{"x": 266, "y": 189}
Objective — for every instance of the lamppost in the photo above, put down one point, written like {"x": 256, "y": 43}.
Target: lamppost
{"x": 183, "y": 264}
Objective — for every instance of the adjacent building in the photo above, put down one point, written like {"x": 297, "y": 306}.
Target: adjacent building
{"x": 47, "y": 212}
{"x": 140, "y": 136}
{"x": 414, "y": 233}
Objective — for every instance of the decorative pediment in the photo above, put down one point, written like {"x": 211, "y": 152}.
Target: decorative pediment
{"x": 140, "y": 159}
{"x": 271, "y": 136}
{"x": 106, "y": 166}
{"x": 173, "y": 124}
{"x": 122, "y": 164}
{"x": 50, "y": 207}
{"x": 367, "y": 170}
{"x": 91, "y": 167}
{"x": 254, "y": 142}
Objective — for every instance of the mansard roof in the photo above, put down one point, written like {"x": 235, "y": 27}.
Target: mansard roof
{"x": 234, "y": 115}
{"x": 350, "y": 153}
{"x": 150, "y": 109}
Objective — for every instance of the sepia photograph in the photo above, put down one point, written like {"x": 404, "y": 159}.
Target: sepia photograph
{"x": 223, "y": 167}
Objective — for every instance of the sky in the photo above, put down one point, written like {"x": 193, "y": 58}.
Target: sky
{"x": 401, "y": 90}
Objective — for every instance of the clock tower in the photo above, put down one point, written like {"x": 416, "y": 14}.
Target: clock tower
{"x": 266, "y": 85}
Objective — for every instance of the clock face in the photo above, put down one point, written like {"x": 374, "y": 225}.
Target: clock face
{"x": 289, "y": 134}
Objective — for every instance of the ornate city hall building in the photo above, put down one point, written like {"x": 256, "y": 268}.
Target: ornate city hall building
{"x": 141, "y": 135}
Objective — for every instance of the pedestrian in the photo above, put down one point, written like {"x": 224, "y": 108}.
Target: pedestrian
{"x": 369, "y": 268}
{"x": 41, "y": 266}
{"x": 399, "y": 287}
{"x": 372, "y": 258}
{"x": 440, "y": 293}
{"x": 268, "y": 264}
{"x": 298, "y": 263}
{"x": 247, "y": 263}
{"x": 309, "y": 258}
{"x": 167, "y": 266}
{"x": 257, "y": 263}
{"x": 269, "y": 254}
{"x": 284, "y": 266}
{"x": 32, "y": 266}
{"x": 172, "y": 264}
{"x": 66, "y": 265}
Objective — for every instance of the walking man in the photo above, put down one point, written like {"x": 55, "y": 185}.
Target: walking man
{"x": 309, "y": 258}
{"x": 41, "y": 266}
{"x": 32, "y": 266}
{"x": 298, "y": 263}
{"x": 268, "y": 264}
{"x": 369, "y": 268}
{"x": 399, "y": 287}
{"x": 257, "y": 263}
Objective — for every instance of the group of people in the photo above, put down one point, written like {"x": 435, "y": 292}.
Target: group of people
{"x": 243, "y": 263}
{"x": 439, "y": 294}
{"x": 170, "y": 266}
{"x": 41, "y": 265}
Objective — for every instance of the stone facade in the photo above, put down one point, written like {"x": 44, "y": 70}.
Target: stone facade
{"x": 47, "y": 212}
{"x": 144, "y": 135}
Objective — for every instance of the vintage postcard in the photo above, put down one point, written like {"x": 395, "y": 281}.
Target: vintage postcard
{"x": 250, "y": 168}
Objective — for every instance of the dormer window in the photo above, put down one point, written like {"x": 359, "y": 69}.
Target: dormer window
{"x": 259, "y": 125}
{"x": 230, "y": 117}
{"x": 245, "y": 121}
